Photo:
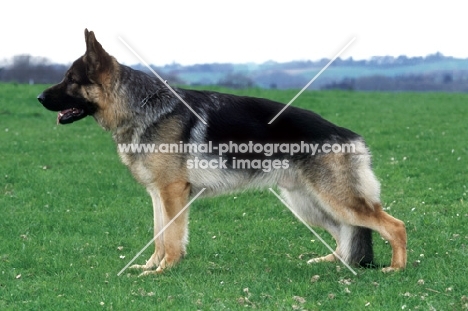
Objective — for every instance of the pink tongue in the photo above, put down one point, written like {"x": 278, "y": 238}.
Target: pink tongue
{"x": 61, "y": 113}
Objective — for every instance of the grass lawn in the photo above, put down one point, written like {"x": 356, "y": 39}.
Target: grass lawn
{"x": 72, "y": 217}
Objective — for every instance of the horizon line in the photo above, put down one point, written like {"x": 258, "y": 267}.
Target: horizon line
{"x": 8, "y": 59}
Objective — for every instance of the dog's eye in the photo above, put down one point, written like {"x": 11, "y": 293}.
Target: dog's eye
{"x": 71, "y": 80}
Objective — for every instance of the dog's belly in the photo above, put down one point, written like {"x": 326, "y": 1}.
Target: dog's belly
{"x": 220, "y": 181}
{"x": 217, "y": 181}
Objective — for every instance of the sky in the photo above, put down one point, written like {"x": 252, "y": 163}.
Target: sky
{"x": 195, "y": 32}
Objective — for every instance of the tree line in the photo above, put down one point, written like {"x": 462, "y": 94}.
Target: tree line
{"x": 384, "y": 73}
{"x": 32, "y": 70}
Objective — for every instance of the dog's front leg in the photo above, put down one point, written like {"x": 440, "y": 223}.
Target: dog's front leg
{"x": 158, "y": 254}
{"x": 173, "y": 198}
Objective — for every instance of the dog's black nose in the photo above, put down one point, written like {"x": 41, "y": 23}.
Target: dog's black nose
{"x": 41, "y": 98}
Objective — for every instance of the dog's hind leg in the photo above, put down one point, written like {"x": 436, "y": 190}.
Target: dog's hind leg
{"x": 346, "y": 189}
{"x": 307, "y": 209}
{"x": 356, "y": 203}
{"x": 353, "y": 243}
{"x": 158, "y": 254}
{"x": 391, "y": 229}
{"x": 354, "y": 246}
{"x": 362, "y": 216}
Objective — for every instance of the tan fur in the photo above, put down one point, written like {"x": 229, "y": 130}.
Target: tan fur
{"x": 352, "y": 200}
{"x": 165, "y": 178}
{"x": 337, "y": 191}
{"x": 163, "y": 175}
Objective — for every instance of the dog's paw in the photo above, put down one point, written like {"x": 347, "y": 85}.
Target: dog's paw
{"x": 151, "y": 272}
{"x": 151, "y": 264}
{"x": 327, "y": 258}
{"x": 159, "y": 270}
{"x": 390, "y": 269}
{"x": 315, "y": 260}
{"x": 140, "y": 267}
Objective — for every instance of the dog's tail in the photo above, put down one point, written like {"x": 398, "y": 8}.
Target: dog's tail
{"x": 361, "y": 252}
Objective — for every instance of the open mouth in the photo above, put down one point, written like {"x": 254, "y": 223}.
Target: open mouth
{"x": 70, "y": 115}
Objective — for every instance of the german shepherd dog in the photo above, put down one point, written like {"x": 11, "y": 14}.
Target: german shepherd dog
{"x": 334, "y": 190}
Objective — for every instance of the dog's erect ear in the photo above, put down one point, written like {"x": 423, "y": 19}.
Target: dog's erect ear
{"x": 97, "y": 60}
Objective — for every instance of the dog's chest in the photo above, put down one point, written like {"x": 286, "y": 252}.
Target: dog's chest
{"x": 138, "y": 168}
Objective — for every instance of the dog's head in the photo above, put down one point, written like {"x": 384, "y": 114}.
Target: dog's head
{"x": 82, "y": 91}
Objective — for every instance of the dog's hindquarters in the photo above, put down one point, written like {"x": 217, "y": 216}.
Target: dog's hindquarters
{"x": 354, "y": 244}
{"x": 340, "y": 193}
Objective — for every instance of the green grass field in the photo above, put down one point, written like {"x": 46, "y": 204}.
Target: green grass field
{"x": 72, "y": 217}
